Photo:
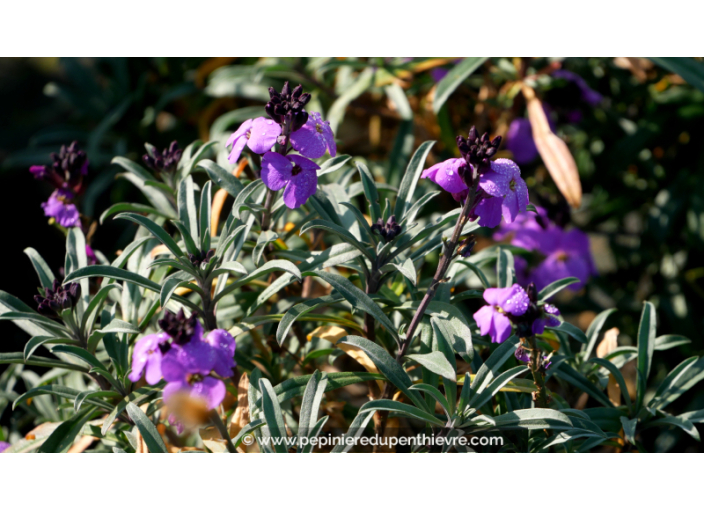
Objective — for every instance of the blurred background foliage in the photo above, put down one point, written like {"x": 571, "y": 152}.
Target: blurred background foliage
{"x": 640, "y": 162}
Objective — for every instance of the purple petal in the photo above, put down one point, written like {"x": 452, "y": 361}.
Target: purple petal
{"x": 211, "y": 390}
{"x": 551, "y": 309}
{"x": 446, "y": 175}
{"x": 263, "y": 135}
{"x": 489, "y": 212}
{"x": 146, "y": 349}
{"x": 495, "y": 184}
{"x": 501, "y": 330}
{"x": 237, "y": 149}
{"x": 538, "y": 326}
{"x": 172, "y": 366}
{"x": 153, "y": 374}
{"x": 222, "y": 339}
{"x": 276, "y": 170}
{"x": 65, "y": 214}
{"x": 300, "y": 188}
{"x": 311, "y": 139}
{"x": 484, "y": 317}
{"x": 516, "y": 301}
{"x": 38, "y": 171}
{"x": 4, "y": 445}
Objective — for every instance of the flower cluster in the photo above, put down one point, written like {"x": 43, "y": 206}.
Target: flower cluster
{"x": 186, "y": 359}
{"x": 566, "y": 252}
{"x": 58, "y": 298}
{"x": 514, "y": 306}
{"x": 307, "y": 133}
{"x": 66, "y": 174}
{"x": 500, "y": 188}
{"x": 166, "y": 161}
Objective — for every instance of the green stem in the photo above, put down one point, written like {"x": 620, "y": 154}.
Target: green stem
{"x": 222, "y": 428}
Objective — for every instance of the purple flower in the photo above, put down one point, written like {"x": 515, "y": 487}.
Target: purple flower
{"x": 522, "y": 354}
{"x": 314, "y": 137}
{"x": 297, "y": 173}
{"x": 548, "y": 318}
{"x": 224, "y": 345}
{"x": 446, "y": 175}
{"x": 438, "y": 73}
{"x": 57, "y": 207}
{"x": 492, "y": 319}
{"x": 519, "y": 140}
{"x": 259, "y": 135}
{"x": 147, "y": 353}
{"x": 531, "y": 231}
{"x": 589, "y": 95}
{"x": 568, "y": 255}
{"x": 186, "y": 369}
{"x": 489, "y": 211}
{"x": 4, "y": 445}
{"x": 504, "y": 180}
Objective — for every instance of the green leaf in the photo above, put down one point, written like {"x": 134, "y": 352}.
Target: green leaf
{"x": 93, "y": 395}
{"x": 265, "y": 237}
{"x": 435, "y": 393}
{"x": 404, "y": 199}
{"x": 37, "y": 341}
{"x": 679, "y": 380}
{"x": 435, "y": 362}
{"x": 37, "y": 361}
{"x": 388, "y": 366}
{"x": 491, "y": 366}
{"x": 677, "y": 421}
{"x": 156, "y": 231}
{"x": 555, "y": 287}
{"x": 356, "y": 429}
{"x": 61, "y": 440}
{"x": 311, "y": 404}
{"x": 571, "y": 330}
{"x": 168, "y": 288}
{"x": 113, "y": 272}
{"x": 222, "y": 177}
{"x": 246, "y": 430}
{"x": 571, "y": 376}
{"x": 272, "y": 414}
{"x": 46, "y": 277}
{"x": 300, "y": 309}
{"x": 94, "y": 307}
{"x": 688, "y": 68}
{"x": 646, "y": 346}
{"x": 527, "y": 419}
{"x": 665, "y": 342}
{"x": 593, "y": 331}
{"x": 333, "y": 164}
{"x": 341, "y": 233}
{"x": 370, "y": 191}
{"x": 454, "y": 78}
{"x": 479, "y": 399}
{"x": 401, "y": 408}
{"x": 504, "y": 268}
{"x": 618, "y": 376}
{"x": 629, "y": 428}
{"x": 356, "y": 297}
{"x": 187, "y": 239}
{"x": 135, "y": 208}
{"x": 269, "y": 267}
{"x": 150, "y": 434}
{"x": 206, "y": 201}
{"x": 407, "y": 269}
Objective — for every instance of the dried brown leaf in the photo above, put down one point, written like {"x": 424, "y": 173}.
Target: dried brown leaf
{"x": 554, "y": 151}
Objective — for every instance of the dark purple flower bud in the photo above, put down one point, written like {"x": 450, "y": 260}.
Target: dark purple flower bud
{"x": 58, "y": 298}
{"x": 465, "y": 248}
{"x": 178, "y": 327}
{"x": 287, "y": 106}
{"x": 532, "y": 292}
{"x": 477, "y": 150}
{"x": 166, "y": 161}
{"x": 388, "y": 230}
{"x": 38, "y": 171}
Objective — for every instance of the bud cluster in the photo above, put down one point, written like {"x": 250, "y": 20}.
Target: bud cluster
{"x": 389, "y": 230}
{"x": 477, "y": 151}
{"x": 166, "y": 161}
{"x": 67, "y": 169}
{"x": 178, "y": 326}
{"x": 201, "y": 257}
{"x": 57, "y": 298}
{"x": 287, "y": 106}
